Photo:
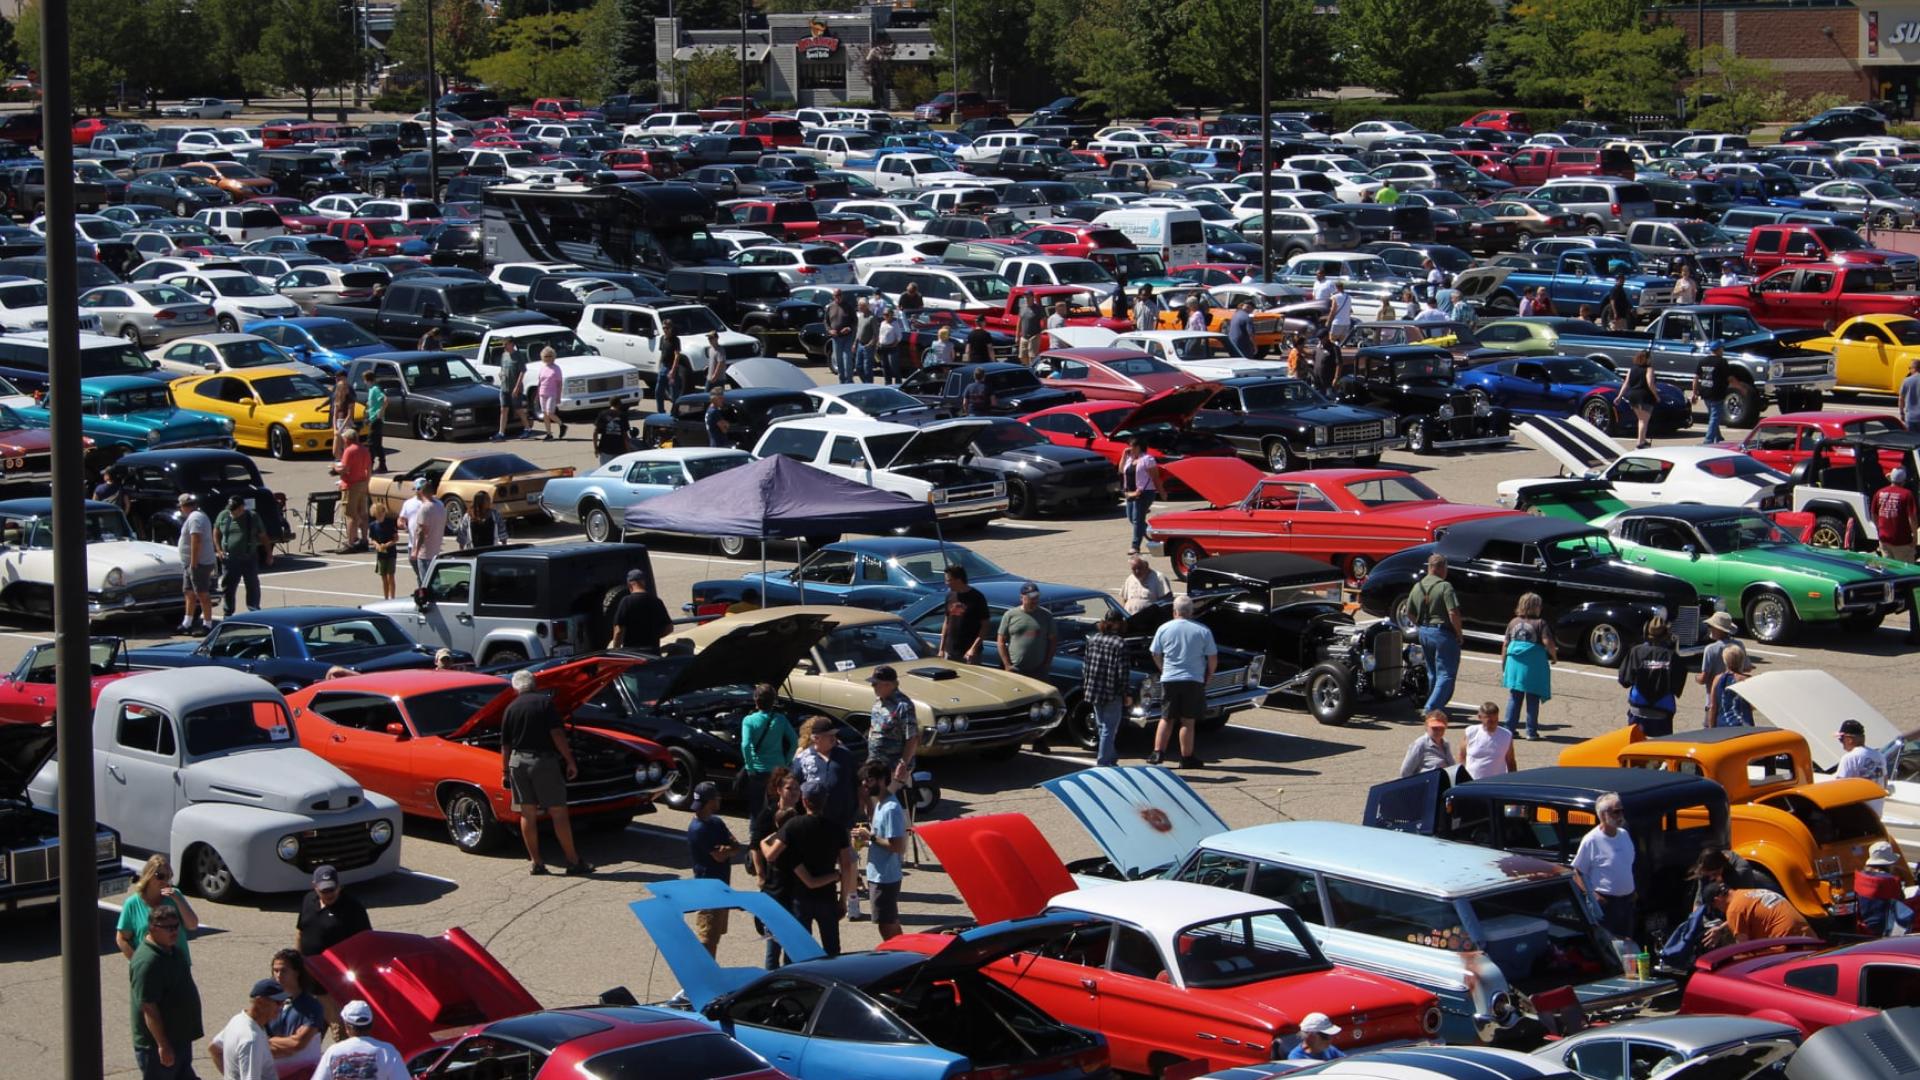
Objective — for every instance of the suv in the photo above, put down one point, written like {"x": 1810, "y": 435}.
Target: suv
{"x": 1373, "y": 221}
{"x": 940, "y": 287}
{"x": 1604, "y": 203}
{"x": 307, "y": 175}
{"x": 758, "y": 303}
{"x": 922, "y": 463}
{"x": 520, "y": 602}
{"x": 30, "y": 851}
{"x": 1296, "y": 232}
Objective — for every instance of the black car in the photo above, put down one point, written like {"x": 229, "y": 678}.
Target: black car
{"x": 30, "y": 836}
{"x": 184, "y": 192}
{"x": 455, "y": 243}
{"x": 1390, "y": 222}
{"x": 1282, "y": 423}
{"x": 1598, "y": 605}
{"x": 719, "y": 150}
{"x": 388, "y": 177}
{"x": 430, "y": 395}
{"x": 1040, "y": 475}
{"x": 625, "y": 109}
{"x": 741, "y": 180}
{"x": 1835, "y": 124}
{"x": 1016, "y": 390}
{"x": 91, "y": 274}
{"x": 155, "y": 480}
{"x": 749, "y": 411}
{"x": 556, "y": 296}
{"x": 1702, "y": 200}
{"x": 308, "y": 176}
{"x": 1415, "y": 383}
{"x": 753, "y": 301}
{"x": 471, "y": 105}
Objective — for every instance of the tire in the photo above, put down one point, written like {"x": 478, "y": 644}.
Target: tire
{"x": 1080, "y": 726}
{"x": 1401, "y": 610}
{"x": 1600, "y": 413}
{"x": 925, "y": 797}
{"x": 759, "y": 336}
{"x": 470, "y": 821}
{"x": 1184, "y": 554}
{"x": 456, "y": 513}
{"x": 1604, "y": 645}
{"x": 1742, "y": 406}
{"x": 379, "y": 190}
{"x": 210, "y": 875}
{"x": 1828, "y": 531}
{"x": 1279, "y": 455}
{"x": 733, "y": 547}
{"x": 279, "y": 443}
{"x": 1019, "y": 499}
{"x": 1769, "y": 617}
{"x": 1419, "y": 437}
{"x": 429, "y": 426}
{"x": 1329, "y": 693}
{"x": 597, "y": 523}
{"x": 686, "y": 774}
{"x": 229, "y": 325}
{"x": 1502, "y": 306}
{"x": 1594, "y": 228}
{"x": 132, "y": 334}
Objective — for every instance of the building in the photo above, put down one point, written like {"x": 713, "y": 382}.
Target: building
{"x": 829, "y": 58}
{"x": 1865, "y": 51}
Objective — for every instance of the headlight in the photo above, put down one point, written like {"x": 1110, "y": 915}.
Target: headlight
{"x": 1659, "y": 611}
{"x": 1320, "y": 435}
{"x": 576, "y": 386}
{"x": 1445, "y": 412}
{"x": 937, "y": 497}
{"x": 999, "y": 487}
{"x": 1150, "y": 690}
{"x": 656, "y": 770}
{"x": 1481, "y": 408}
{"x": 380, "y": 832}
{"x": 1503, "y": 1007}
{"x": 960, "y": 723}
{"x": 116, "y": 578}
{"x": 313, "y": 426}
{"x": 1255, "y": 670}
{"x": 105, "y": 849}
{"x": 1368, "y": 661}
{"x": 1775, "y": 369}
{"x": 288, "y": 848}
{"x": 1386, "y": 426}
{"x": 153, "y": 438}
{"x": 942, "y": 726}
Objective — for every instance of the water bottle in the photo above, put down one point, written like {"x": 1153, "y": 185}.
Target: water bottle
{"x": 1643, "y": 965}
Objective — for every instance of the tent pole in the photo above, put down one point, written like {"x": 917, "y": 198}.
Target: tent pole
{"x": 802, "y": 582}
{"x": 766, "y": 594}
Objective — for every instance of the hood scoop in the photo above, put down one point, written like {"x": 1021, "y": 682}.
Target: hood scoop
{"x": 933, "y": 674}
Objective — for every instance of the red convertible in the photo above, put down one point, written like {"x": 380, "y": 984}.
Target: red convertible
{"x": 1109, "y": 374}
{"x": 1808, "y": 986}
{"x": 1169, "y": 971}
{"x": 1783, "y": 441}
{"x": 1351, "y": 518}
{"x": 1103, "y": 426}
{"x": 26, "y": 695}
{"x": 1817, "y": 295}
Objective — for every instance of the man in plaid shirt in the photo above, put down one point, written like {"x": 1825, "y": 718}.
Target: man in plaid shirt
{"x": 1104, "y": 682}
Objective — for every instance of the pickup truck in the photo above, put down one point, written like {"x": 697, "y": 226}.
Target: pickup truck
{"x": 1031, "y": 163}
{"x": 463, "y": 311}
{"x": 1667, "y": 238}
{"x": 366, "y": 238}
{"x": 991, "y": 145}
{"x": 952, "y": 108}
{"x": 790, "y": 220}
{"x": 1572, "y": 278}
{"x": 1143, "y": 174}
{"x": 1818, "y": 295}
{"x": 909, "y": 171}
{"x": 926, "y": 464}
{"x": 1083, "y": 307}
{"x": 841, "y": 148}
{"x": 589, "y": 382}
{"x": 630, "y": 333}
{"x": 1760, "y": 364}
{"x": 1773, "y": 246}
{"x": 730, "y": 108}
{"x": 554, "y": 109}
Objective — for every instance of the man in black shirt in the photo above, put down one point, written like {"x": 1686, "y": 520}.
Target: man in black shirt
{"x": 979, "y": 342}
{"x": 816, "y": 854}
{"x": 610, "y": 431}
{"x": 1710, "y": 386}
{"x": 327, "y": 915}
{"x": 640, "y": 620}
{"x": 535, "y": 764}
{"x": 966, "y": 622}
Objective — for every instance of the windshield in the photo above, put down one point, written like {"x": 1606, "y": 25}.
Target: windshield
{"x": 257, "y": 353}
{"x": 702, "y": 467}
{"x": 341, "y": 335}
{"x": 475, "y": 297}
{"x": 1247, "y": 949}
{"x": 347, "y": 635}
{"x": 688, "y": 321}
{"x": 1580, "y": 369}
{"x": 1733, "y": 324}
{"x": 281, "y": 389}
{"x": 1281, "y": 394}
{"x": 160, "y": 294}
{"x": 444, "y": 711}
{"x": 929, "y": 567}
{"x": 1741, "y": 533}
{"x": 880, "y": 400}
{"x": 23, "y": 294}
{"x": 1839, "y": 239}
{"x": 427, "y": 373}
{"x": 235, "y": 725}
{"x": 1002, "y": 438}
{"x": 1424, "y": 367}
{"x": 1740, "y": 467}
{"x": 121, "y": 402}
{"x": 243, "y": 285}
{"x": 854, "y": 647}
{"x": 1081, "y": 273}
{"x": 103, "y": 526}
{"x": 1366, "y": 270}
{"x": 563, "y": 343}
{"x": 1700, "y": 232}
{"x": 114, "y": 360}
{"x": 1575, "y": 549}
{"x": 488, "y": 466}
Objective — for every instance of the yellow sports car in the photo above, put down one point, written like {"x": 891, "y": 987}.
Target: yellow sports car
{"x": 277, "y": 409}
{"x": 1871, "y": 353}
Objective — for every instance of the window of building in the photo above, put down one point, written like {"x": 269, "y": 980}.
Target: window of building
{"x": 828, "y": 74}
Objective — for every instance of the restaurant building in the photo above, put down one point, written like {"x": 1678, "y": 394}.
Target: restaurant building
{"x": 825, "y": 58}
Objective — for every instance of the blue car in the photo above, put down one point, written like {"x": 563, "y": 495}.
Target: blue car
{"x": 892, "y": 1014}
{"x": 294, "y": 647}
{"x": 127, "y": 412}
{"x": 327, "y": 343}
{"x": 884, "y": 572}
{"x": 1563, "y": 386}
{"x": 1228, "y": 245}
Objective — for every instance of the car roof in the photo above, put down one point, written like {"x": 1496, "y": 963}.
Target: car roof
{"x": 1417, "y": 864}
{"x": 1007, "y": 592}
{"x": 1583, "y": 785}
{"x": 1164, "y": 908}
{"x": 221, "y": 339}
{"x": 1693, "y": 512}
{"x": 1465, "y": 539}
{"x": 1266, "y": 568}
{"x": 402, "y": 683}
{"x": 107, "y": 383}
{"x": 848, "y": 425}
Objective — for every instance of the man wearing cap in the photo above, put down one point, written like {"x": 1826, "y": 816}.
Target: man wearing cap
{"x": 360, "y": 1056}
{"x": 1027, "y": 641}
{"x": 1187, "y": 656}
{"x": 165, "y": 1004}
{"x": 241, "y": 1050}
{"x": 1430, "y": 750}
{"x": 1859, "y": 759}
{"x": 712, "y": 849}
{"x": 536, "y": 762}
{"x": 965, "y": 627}
{"x": 816, "y": 854}
{"x": 198, "y": 559}
{"x": 822, "y": 758}
{"x": 1316, "y": 1039}
{"x": 893, "y": 735}
{"x": 1713, "y": 662}
{"x": 425, "y": 518}
{"x": 328, "y": 916}
{"x": 640, "y": 620}
{"x": 1751, "y": 915}
{"x": 1882, "y": 910}
{"x": 1710, "y": 386}
{"x": 238, "y": 538}
{"x": 610, "y": 431}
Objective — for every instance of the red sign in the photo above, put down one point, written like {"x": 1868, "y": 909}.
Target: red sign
{"x": 818, "y": 47}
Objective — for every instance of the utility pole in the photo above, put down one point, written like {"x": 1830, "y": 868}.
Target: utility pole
{"x": 953, "y": 32}
{"x": 743, "y": 67}
{"x": 73, "y": 698}
{"x": 1266, "y": 148}
{"x": 433, "y": 115}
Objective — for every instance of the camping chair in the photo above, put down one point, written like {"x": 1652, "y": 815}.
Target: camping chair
{"x": 321, "y": 519}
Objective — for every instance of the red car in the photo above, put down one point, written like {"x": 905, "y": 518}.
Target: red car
{"x": 1488, "y": 162}
{"x": 26, "y": 694}
{"x": 1783, "y": 441}
{"x": 1350, "y": 518}
{"x": 375, "y": 236}
{"x": 605, "y": 1042}
{"x": 297, "y": 216}
{"x": 1072, "y": 238}
{"x": 430, "y": 740}
{"x": 554, "y": 110}
{"x": 1103, "y": 426}
{"x": 1501, "y": 120}
{"x": 85, "y": 130}
{"x": 1807, "y": 986}
{"x": 656, "y": 163}
{"x": 420, "y": 987}
{"x": 1211, "y": 274}
{"x": 1083, "y": 309}
{"x": 1109, "y": 374}
{"x": 1817, "y": 295}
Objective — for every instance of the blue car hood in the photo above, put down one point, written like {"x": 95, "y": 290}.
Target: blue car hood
{"x": 1144, "y": 819}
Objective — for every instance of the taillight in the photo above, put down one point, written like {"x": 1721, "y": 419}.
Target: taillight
{"x": 1615, "y": 208}
{"x": 165, "y": 314}
{"x": 208, "y": 313}
{"x": 561, "y": 630}
{"x": 808, "y": 270}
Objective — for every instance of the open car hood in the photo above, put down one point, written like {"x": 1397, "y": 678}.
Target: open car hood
{"x": 1175, "y": 407}
{"x": 762, "y": 652}
{"x": 761, "y": 371}
{"x": 423, "y": 989}
{"x": 1081, "y": 337}
{"x": 938, "y": 442}
{"x": 1222, "y": 481}
{"x": 24, "y": 749}
{"x": 1144, "y": 818}
{"x": 1812, "y": 704}
{"x": 1479, "y": 282}
{"x": 701, "y": 977}
{"x": 572, "y": 685}
{"x": 1578, "y": 446}
{"x": 973, "y": 949}
{"x": 1002, "y": 866}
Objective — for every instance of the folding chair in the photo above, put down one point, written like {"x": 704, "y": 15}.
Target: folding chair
{"x": 322, "y": 519}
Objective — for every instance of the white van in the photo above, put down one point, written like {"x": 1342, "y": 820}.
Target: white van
{"x": 1178, "y": 235}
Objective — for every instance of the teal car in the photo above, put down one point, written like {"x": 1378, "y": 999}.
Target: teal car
{"x": 1759, "y": 574}
{"x": 123, "y": 413}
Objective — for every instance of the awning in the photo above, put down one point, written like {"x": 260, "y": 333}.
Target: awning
{"x": 755, "y": 53}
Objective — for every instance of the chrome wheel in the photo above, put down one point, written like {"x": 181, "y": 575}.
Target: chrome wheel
{"x": 279, "y": 443}
{"x": 1358, "y": 567}
{"x": 470, "y": 822}
{"x": 1327, "y": 697}
{"x": 1769, "y": 616}
{"x": 456, "y": 514}
{"x": 1828, "y": 532}
{"x": 597, "y": 522}
{"x": 1185, "y": 555}
{"x": 211, "y": 876}
{"x": 132, "y": 334}
{"x": 733, "y": 547}
{"x": 1604, "y": 645}
{"x": 429, "y": 426}
{"x": 1279, "y": 456}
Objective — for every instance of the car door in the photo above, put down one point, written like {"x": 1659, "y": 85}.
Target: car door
{"x": 1811, "y": 303}
{"x": 1639, "y": 480}
{"x": 1526, "y": 386}
{"x": 1672, "y": 546}
{"x": 448, "y": 618}
{"x": 847, "y": 457}
{"x": 366, "y": 736}
{"x": 27, "y": 695}
{"x": 1305, "y": 521}
{"x": 136, "y": 782}
{"x": 772, "y": 1018}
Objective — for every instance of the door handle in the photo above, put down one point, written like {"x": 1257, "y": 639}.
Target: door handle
{"x": 339, "y": 738}
{"x": 1089, "y": 986}
{"x": 464, "y": 619}
{"x": 39, "y": 701}
{"x": 114, "y": 771}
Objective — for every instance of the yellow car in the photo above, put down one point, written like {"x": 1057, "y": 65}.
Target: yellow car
{"x": 1871, "y": 353}
{"x": 277, "y": 409}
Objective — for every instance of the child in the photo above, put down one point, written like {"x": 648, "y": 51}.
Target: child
{"x": 383, "y": 535}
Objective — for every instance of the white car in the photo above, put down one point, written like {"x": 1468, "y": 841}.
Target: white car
{"x": 895, "y": 250}
{"x": 339, "y": 205}
{"x": 203, "y": 108}
{"x": 630, "y": 333}
{"x": 1656, "y": 476}
{"x": 1350, "y": 176}
{"x": 1202, "y": 354}
{"x": 221, "y": 141}
{"x": 1368, "y": 132}
{"x": 870, "y": 401}
{"x": 907, "y": 216}
{"x": 406, "y": 210}
{"x": 667, "y": 123}
{"x": 799, "y": 264}
{"x": 517, "y": 278}
{"x": 922, "y": 463}
{"x": 125, "y": 576}
{"x": 513, "y": 164}
{"x": 237, "y": 297}
{"x": 89, "y": 226}
{"x": 738, "y": 240}
{"x": 588, "y": 381}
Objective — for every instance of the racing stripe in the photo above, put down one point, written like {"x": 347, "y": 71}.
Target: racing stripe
{"x": 1570, "y": 440}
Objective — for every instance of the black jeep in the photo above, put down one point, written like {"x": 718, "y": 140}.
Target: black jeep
{"x": 1416, "y": 383}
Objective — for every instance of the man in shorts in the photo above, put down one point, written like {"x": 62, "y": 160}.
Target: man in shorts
{"x": 536, "y": 762}
{"x": 711, "y": 849}
{"x": 1187, "y": 656}
{"x": 197, "y": 560}
{"x": 352, "y": 472}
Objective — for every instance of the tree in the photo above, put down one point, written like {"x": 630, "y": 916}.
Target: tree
{"x": 10, "y": 52}
{"x": 235, "y": 28}
{"x": 1411, "y": 47}
{"x": 542, "y": 56}
{"x": 100, "y": 31}
{"x": 1617, "y": 72}
{"x": 629, "y": 42}
{"x": 460, "y": 33}
{"x": 709, "y": 75}
{"x": 1599, "y": 54}
{"x": 992, "y": 41}
{"x": 1299, "y": 48}
{"x": 1749, "y": 91}
{"x": 310, "y": 44}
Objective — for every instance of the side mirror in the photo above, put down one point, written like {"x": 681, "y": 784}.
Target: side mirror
{"x": 422, "y": 601}
{"x": 1692, "y": 552}
{"x": 807, "y": 667}
{"x": 398, "y": 730}
{"x": 249, "y": 401}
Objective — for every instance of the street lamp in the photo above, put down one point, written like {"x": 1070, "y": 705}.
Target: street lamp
{"x": 433, "y": 116}
{"x": 743, "y": 67}
{"x": 1266, "y": 150}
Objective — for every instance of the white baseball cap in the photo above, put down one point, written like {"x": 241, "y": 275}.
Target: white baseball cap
{"x": 1316, "y": 1024}
{"x": 360, "y": 1014}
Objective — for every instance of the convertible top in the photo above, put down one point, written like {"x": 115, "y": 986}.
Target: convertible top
{"x": 1264, "y": 569}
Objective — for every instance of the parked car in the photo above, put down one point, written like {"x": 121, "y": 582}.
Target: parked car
{"x": 30, "y": 834}
{"x": 1105, "y": 427}
{"x": 888, "y": 572}
{"x": 125, "y": 576}
{"x": 513, "y": 483}
{"x": 27, "y": 692}
{"x": 1678, "y": 1048}
{"x": 922, "y": 463}
{"x": 1040, "y": 476}
{"x": 750, "y": 411}
{"x": 147, "y": 314}
{"x": 120, "y": 413}
{"x": 1651, "y": 477}
{"x": 291, "y": 647}
{"x": 430, "y": 395}
{"x": 1802, "y": 983}
{"x": 597, "y": 500}
{"x": 155, "y": 480}
{"x": 280, "y": 410}
{"x": 325, "y": 343}
{"x": 1013, "y": 389}
{"x": 1562, "y": 386}
{"x": 1417, "y": 383}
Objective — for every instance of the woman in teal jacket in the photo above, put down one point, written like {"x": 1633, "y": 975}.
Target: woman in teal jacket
{"x": 1528, "y": 656}
{"x": 767, "y": 742}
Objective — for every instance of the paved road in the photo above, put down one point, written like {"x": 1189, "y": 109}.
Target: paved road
{"x": 568, "y": 940}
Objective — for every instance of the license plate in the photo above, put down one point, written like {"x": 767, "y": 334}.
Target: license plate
{"x": 112, "y": 887}
{"x": 1843, "y": 908}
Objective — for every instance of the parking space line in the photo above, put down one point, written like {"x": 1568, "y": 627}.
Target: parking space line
{"x": 325, "y": 564}
{"x": 29, "y": 637}
{"x": 1557, "y": 669}
{"x": 325, "y": 592}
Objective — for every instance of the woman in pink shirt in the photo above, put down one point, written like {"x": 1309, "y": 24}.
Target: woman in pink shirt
{"x": 550, "y": 391}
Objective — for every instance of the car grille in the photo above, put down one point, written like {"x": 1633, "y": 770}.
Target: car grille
{"x": 969, "y": 492}
{"x": 1354, "y": 433}
{"x": 158, "y": 589}
{"x": 343, "y": 847}
{"x": 1905, "y": 271}
{"x": 606, "y": 770}
{"x": 993, "y": 724}
{"x": 30, "y": 866}
{"x": 1866, "y": 593}
{"x": 1811, "y": 365}
{"x": 1655, "y": 298}
{"x": 1461, "y": 404}
{"x": 1686, "y": 625}
{"x": 1227, "y": 680}
{"x": 602, "y": 383}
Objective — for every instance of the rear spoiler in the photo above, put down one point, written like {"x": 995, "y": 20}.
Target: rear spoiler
{"x": 1745, "y": 950}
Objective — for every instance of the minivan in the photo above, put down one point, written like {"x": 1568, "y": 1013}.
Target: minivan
{"x": 241, "y": 224}
{"x": 1178, "y": 236}
{"x": 955, "y": 289}
{"x": 1606, "y": 203}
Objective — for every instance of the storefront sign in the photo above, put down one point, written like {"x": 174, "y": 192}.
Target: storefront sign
{"x": 1890, "y": 35}
{"x": 819, "y": 45}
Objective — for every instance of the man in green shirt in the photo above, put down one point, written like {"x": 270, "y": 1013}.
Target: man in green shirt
{"x": 1387, "y": 196}
{"x": 1434, "y": 608}
{"x": 164, "y": 1002}
{"x": 238, "y": 538}
{"x": 1027, "y": 640}
{"x": 376, "y": 416}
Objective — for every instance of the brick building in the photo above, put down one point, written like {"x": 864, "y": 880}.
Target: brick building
{"x": 1865, "y": 51}
{"x": 826, "y": 58}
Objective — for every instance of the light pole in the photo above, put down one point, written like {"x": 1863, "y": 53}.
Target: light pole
{"x": 1266, "y": 150}
{"x": 743, "y": 67}
{"x": 433, "y": 117}
{"x": 953, "y": 32}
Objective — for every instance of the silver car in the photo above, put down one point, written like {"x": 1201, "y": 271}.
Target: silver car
{"x": 147, "y": 313}
{"x": 326, "y": 283}
{"x": 1877, "y": 200}
{"x": 1677, "y": 1048}
{"x": 799, "y": 264}
{"x": 271, "y": 268}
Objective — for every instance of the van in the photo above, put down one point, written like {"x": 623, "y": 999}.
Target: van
{"x": 241, "y": 224}
{"x": 1606, "y": 204}
{"x": 941, "y": 288}
{"x": 1178, "y": 236}
{"x": 24, "y": 359}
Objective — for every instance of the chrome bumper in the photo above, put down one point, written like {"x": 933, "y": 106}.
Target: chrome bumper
{"x": 1483, "y": 440}
{"x": 1357, "y": 449}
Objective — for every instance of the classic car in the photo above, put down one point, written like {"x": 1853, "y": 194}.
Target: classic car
{"x": 1164, "y": 958}
{"x": 1235, "y": 686}
{"x": 605, "y": 1041}
{"x": 1871, "y": 353}
{"x": 1416, "y": 383}
{"x": 326, "y": 343}
{"x": 291, "y": 647}
{"x": 1545, "y": 813}
{"x": 1808, "y": 838}
{"x": 1459, "y": 339}
{"x": 1803, "y": 984}
{"x": 1110, "y": 374}
{"x": 1573, "y": 386}
{"x": 961, "y": 708}
{"x": 597, "y": 500}
{"x": 1417, "y": 1062}
{"x": 1598, "y": 604}
{"x": 30, "y": 835}
{"x": 1532, "y": 335}
{"x": 124, "y": 412}
{"x": 589, "y": 382}
{"x": 925, "y": 464}
{"x": 513, "y": 483}
{"x": 1347, "y": 518}
{"x": 205, "y": 766}
{"x": 1015, "y": 390}
{"x": 1750, "y": 567}
{"x": 430, "y": 395}
{"x": 155, "y": 480}
{"x": 907, "y": 1016}
{"x": 750, "y": 410}
{"x": 1202, "y": 354}
{"x": 1282, "y": 422}
{"x": 414, "y": 982}
{"x": 26, "y": 454}
{"x": 27, "y": 694}
{"x": 276, "y": 409}
{"x": 1106, "y": 426}
{"x": 1784, "y": 441}
{"x": 879, "y": 572}
{"x": 870, "y": 401}
{"x": 1039, "y": 475}
{"x": 1836, "y": 483}
{"x": 431, "y": 741}
{"x": 1483, "y": 930}
{"x": 1677, "y": 1048}
{"x": 1654, "y": 476}
{"x": 518, "y": 602}
{"x": 125, "y": 576}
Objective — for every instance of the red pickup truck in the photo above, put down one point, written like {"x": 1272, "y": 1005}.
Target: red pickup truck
{"x": 1082, "y": 308}
{"x": 729, "y": 108}
{"x": 951, "y": 108}
{"x": 554, "y": 109}
{"x": 1817, "y": 295}
{"x": 375, "y": 236}
{"x": 1771, "y": 246}
{"x": 791, "y": 220}
{"x": 1539, "y": 164}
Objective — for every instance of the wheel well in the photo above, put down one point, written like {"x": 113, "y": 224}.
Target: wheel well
{"x": 1828, "y": 506}
{"x": 1758, "y": 588}
{"x": 489, "y": 655}
{"x": 590, "y": 502}
{"x": 443, "y": 795}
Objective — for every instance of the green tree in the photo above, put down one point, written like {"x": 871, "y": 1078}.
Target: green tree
{"x": 10, "y": 52}
{"x": 1617, "y": 72}
{"x": 542, "y": 56}
{"x": 992, "y": 41}
{"x": 160, "y": 32}
{"x": 1299, "y": 48}
{"x": 460, "y": 31}
{"x": 310, "y": 44}
{"x": 1749, "y": 91}
{"x": 1411, "y": 47}
{"x": 708, "y": 76}
{"x": 96, "y": 27}
{"x": 234, "y": 29}
{"x": 629, "y": 44}
{"x": 1599, "y": 54}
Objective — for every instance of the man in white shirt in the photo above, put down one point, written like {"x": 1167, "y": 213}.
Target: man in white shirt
{"x": 1429, "y": 313}
{"x": 1526, "y": 304}
{"x": 1436, "y": 278}
{"x": 1604, "y": 863}
{"x": 1860, "y": 760}
{"x": 359, "y": 1056}
{"x": 241, "y": 1050}
{"x": 1340, "y": 312}
{"x": 1322, "y": 286}
{"x": 1142, "y": 587}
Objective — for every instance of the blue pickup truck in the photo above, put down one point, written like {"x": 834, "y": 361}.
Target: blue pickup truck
{"x": 1572, "y": 278}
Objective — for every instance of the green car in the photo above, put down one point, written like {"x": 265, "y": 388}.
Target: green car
{"x": 1757, "y": 573}
{"x": 1537, "y": 335}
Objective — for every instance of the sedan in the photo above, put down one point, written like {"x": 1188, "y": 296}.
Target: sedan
{"x": 134, "y": 215}
{"x": 326, "y": 247}
{"x": 1806, "y": 985}
{"x": 201, "y": 108}
{"x": 799, "y": 264}
{"x": 202, "y": 353}
{"x": 231, "y": 177}
{"x": 297, "y": 216}
{"x": 1877, "y": 200}
{"x": 910, "y": 250}
{"x": 312, "y": 285}
{"x": 1571, "y": 386}
{"x": 1677, "y": 1048}
{"x": 271, "y": 268}
{"x": 1535, "y": 217}
{"x": 598, "y": 500}
{"x": 339, "y": 205}
{"x": 277, "y": 409}
{"x": 147, "y": 313}
{"x": 1110, "y": 374}
{"x": 323, "y": 342}
{"x": 292, "y": 647}
{"x": 184, "y": 191}
{"x": 237, "y": 297}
